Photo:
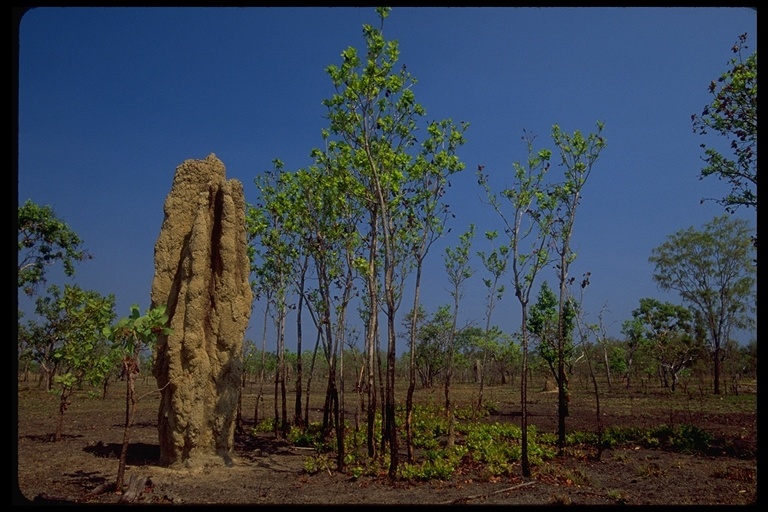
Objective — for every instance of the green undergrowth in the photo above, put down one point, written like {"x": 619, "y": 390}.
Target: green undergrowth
{"x": 493, "y": 448}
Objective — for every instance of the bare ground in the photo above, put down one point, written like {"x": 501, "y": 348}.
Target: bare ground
{"x": 271, "y": 471}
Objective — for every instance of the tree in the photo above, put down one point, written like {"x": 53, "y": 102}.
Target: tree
{"x": 69, "y": 342}
{"x": 373, "y": 116}
{"x": 732, "y": 114}
{"x": 459, "y": 270}
{"x": 669, "y": 331}
{"x": 328, "y": 236}
{"x": 714, "y": 272}
{"x": 425, "y": 219}
{"x": 530, "y": 218}
{"x": 43, "y": 240}
{"x": 578, "y": 155}
{"x": 432, "y": 339}
{"x": 495, "y": 262}
{"x": 132, "y": 335}
{"x": 543, "y": 323}
{"x": 273, "y": 228}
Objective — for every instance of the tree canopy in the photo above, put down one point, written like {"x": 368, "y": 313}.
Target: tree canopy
{"x": 714, "y": 271}
{"x": 732, "y": 114}
{"x": 43, "y": 240}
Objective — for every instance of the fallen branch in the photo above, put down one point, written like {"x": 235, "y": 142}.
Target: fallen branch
{"x": 467, "y": 498}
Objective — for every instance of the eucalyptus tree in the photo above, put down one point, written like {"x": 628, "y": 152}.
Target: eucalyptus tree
{"x": 529, "y": 219}
{"x": 373, "y": 117}
{"x": 543, "y": 323}
{"x": 585, "y": 331}
{"x": 635, "y": 340}
{"x": 714, "y": 271}
{"x": 578, "y": 155}
{"x": 458, "y": 268}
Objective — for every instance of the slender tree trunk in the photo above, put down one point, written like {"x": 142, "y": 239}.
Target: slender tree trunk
{"x": 279, "y": 376}
{"x": 382, "y": 397}
{"x": 130, "y": 410}
{"x": 390, "y": 409}
{"x": 371, "y": 337}
{"x": 562, "y": 397}
{"x": 239, "y": 428}
{"x": 607, "y": 366}
{"x": 64, "y": 403}
{"x": 449, "y": 373}
{"x": 412, "y": 366}
{"x": 260, "y": 394}
{"x": 311, "y": 374}
{"x": 524, "y": 395}
{"x": 716, "y": 356}
{"x": 340, "y": 341}
{"x": 297, "y": 416}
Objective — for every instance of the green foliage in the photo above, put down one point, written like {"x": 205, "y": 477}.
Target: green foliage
{"x": 456, "y": 261}
{"x": 309, "y": 436}
{"x": 495, "y": 446}
{"x": 543, "y": 325}
{"x": 667, "y": 333}
{"x": 43, "y": 240}
{"x": 437, "y": 465}
{"x": 714, "y": 271}
{"x": 69, "y": 343}
{"x": 732, "y": 114}
{"x": 711, "y": 268}
{"x": 69, "y": 337}
{"x": 317, "y": 463}
{"x": 683, "y": 438}
{"x": 428, "y": 425}
{"x": 130, "y": 336}
{"x": 264, "y": 426}
{"x": 135, "y": 332}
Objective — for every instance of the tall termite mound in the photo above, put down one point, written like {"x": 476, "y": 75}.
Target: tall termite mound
{"x": 202, "y": 275}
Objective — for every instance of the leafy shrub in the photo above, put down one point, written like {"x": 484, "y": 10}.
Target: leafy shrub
{"x": 427, "y": 426}
{"x": 437, "y": 465}
{"x": 310, "y": 436}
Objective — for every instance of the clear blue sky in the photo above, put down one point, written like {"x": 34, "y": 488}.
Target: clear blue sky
{"x": 112, "y": 100}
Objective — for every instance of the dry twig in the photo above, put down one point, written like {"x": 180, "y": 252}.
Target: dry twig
{"x": 476, "y": 496}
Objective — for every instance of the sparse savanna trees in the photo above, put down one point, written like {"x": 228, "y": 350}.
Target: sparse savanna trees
{"x": 459, "y": 269}
{"x": 68, "y": 343}
{"x": 370, "y": 206}
{"x": 578, "y": 155}
{"x": 714, "y": 271}
{"x": 527, "y": 212}
{"x": 668, "y": 332}
{"x": 373, "y": 116}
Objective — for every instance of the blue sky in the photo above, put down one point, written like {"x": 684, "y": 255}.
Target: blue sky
{"x": 112, "y": 100}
